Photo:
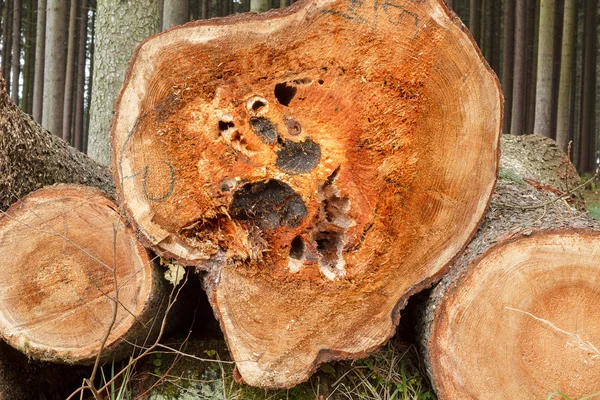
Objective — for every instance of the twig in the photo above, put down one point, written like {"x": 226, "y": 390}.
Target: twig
{"x": 549, "y": 202}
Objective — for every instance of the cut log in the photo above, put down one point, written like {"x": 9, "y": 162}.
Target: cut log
{"x": 64, "y": 251}
{"x": 517, "y": 317}
{"x": 31, "y": 157}
{"x": 540, "y": 161}
{"x": 25, "y": 379}
{"x": 323, "y": 162}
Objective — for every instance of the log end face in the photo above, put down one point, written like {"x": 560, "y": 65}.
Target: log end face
{"x": 525, "y": 316}
{"x": 322, "y": 185}
{"x": 57, "y": 252}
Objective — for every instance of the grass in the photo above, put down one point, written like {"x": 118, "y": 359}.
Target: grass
{"x": 394, "y": 373}
{"x": 592, "y": 203}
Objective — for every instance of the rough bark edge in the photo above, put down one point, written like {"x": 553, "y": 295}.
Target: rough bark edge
{"x": 31, "y": 157}
{"x": 151, "y": 314}
{"x": 495, "y": 233}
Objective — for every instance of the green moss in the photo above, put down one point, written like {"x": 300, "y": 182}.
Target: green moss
{"x": 508, "y": 175}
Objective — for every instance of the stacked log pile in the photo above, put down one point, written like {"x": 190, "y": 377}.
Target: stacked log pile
{"x": 317, "y": 165}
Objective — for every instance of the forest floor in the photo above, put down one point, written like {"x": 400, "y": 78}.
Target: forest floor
{"x": 592, "y": 202}
{"x": 394, "y": 373}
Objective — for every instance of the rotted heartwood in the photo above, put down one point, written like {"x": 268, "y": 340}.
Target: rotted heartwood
{"x": 321, "y": 163}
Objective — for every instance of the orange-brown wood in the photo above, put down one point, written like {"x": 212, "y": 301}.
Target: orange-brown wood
{"x": 518, "y": 316}
{"x": 322, "y": 163}
{"x": 65, "y": 251}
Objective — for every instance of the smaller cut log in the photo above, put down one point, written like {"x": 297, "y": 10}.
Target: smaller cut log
{"x": 518, "y": 315}
{"x": 64, "y": 251}
{"x": 31, "y": 157}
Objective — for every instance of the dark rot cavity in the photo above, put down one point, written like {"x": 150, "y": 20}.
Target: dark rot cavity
{"x": 264, "y": 129}
{"x": 294, "y": 128}
{"x": 298, "y": 157}
{"x": 268, "y": 205}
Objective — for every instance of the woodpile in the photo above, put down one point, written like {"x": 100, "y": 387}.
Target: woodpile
{"x": 317, "y": 165}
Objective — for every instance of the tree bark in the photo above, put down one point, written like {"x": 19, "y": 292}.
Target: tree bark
{"x": 518, "y": 101}
{"x": 16, "y": 50}
{"x": 566, "y": 72}
{"x": 533, "y": 25}
{"x": 175, "y": 12}
{"x": 54, "y": 70}
{"x": 540, "y": 161}
{"x": 313, "y": 236}
{"x": 508, "y": 57}
{"x": 31, "y": 158}
{"x": 40, "y": 45}
{"x": 7, "y": 42}
{"x": 543, "y": 97}
{"x": 119, "y": 27}
{"x": 475, "y": 20}
{"x": 28, "y": 68}
{"x": 587, "y": 162}
{"x": 90, "y": 83}
{"x": 81, "y": 258}
{"x": 259, "y": 5}
{"x": 520, "y": 292}
{"x": 81, "y": 60}
{"x": 205, "y": 9}
{"x": 25, "y": 379}
{"x": 67, "y": 123}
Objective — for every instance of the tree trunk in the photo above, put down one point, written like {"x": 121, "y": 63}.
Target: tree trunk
{"x": 16, "y": 50}
{"x": 475, "y": 20}
{"x": 566, "y": 72}
{"x": 31, "y": 158}
{"x": 518, "y": 101}
{"x": 543, "y": 96}
{"x": 120, "y": 25}
{"x": 205, "y": 9}
{"x": 81, "y": 59}
{"x": 533, "y": 25}
{"x": 6, "y": 41}
{"x": 285, "y": 3}
{"x": 54, "y": 71}
{"x": 28, "y": 68}
{"x": 512, "y": 307}
{"x": 587, "y": 162}
{"x": 175, "y": 12}
{"x": 40, "y": 45}
{"x": 66, "y": 296}
{"x": 259, "y": 5}
{"x": 90, "y": 83}
{"x": 70, "y": 75}
{"x": 508, "y": 57}
{"x": 300, "y": 193}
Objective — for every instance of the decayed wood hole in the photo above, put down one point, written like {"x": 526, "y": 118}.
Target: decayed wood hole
{"x": 321, "y": 162}
{"x": 58, "y": 248}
